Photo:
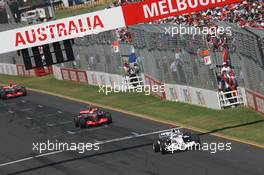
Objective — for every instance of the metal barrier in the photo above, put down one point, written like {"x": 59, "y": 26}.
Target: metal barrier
{"x": 133, "y": 82}
{"x": 230, "y": 98}
{"x": 74, "y": 75}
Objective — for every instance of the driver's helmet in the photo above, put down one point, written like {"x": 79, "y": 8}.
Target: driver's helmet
{"x": 11, "y": 84}
{"x": 89, "y": 107}
{"x": 176, "y": 131}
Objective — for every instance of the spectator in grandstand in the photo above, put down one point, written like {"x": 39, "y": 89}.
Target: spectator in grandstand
{"x": 226, "y": 68}
{"x": 125, "y": 67}
{"x": 247, "y": 13}
{"x": 124, "y": 35}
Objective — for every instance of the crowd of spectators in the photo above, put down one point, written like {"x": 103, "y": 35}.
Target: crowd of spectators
{"x": 247, "y": 13}
{"x": 227, "y": 82}
{"x": 124, "y": 35}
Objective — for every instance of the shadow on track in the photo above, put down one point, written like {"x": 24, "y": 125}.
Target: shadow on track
{"x": 230, "y": 127}
{"x": 53, "y": 164}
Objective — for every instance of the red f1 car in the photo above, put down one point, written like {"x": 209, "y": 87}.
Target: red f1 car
{"x": 92, "y": 117}
{"x": 12, "y": 91}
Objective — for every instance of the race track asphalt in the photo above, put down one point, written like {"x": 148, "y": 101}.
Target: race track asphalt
{"x": 38, "y": 118}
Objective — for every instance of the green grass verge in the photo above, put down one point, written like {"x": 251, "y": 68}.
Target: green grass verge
{"x": 239, "y": 122}
{"x": 73, "y": 12}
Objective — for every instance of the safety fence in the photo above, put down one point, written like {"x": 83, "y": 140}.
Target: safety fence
{"x": 231, "y": 98}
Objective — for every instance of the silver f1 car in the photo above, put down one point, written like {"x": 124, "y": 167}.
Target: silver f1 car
{"x": 175, "y": 140}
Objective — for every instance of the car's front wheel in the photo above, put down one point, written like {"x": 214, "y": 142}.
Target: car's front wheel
{"x": 24, "y": 91}
{"x": 163, "y": 148}
{"x": 156, "y": 146}
{"x": 109, "y": 117}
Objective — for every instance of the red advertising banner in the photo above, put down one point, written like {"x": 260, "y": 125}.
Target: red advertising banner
{"x": 151, "y": 10}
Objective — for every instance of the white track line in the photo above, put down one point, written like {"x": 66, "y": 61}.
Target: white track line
{"x": 99, "y": 142}
{"x": 52, "y": 125}
{"x": 29, "y": 158}
{"x": 77, "y": 131}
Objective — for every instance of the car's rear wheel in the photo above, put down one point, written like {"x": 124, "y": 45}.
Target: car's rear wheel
{"x": 109, "y": 117}
{"x": 163, "y": 148}
{"x": 82, "y": 123}
{"x": 195, "y": 138}
{"x": 76, "y": 122}
{"x": 24, "y": 91}
{"x": 156, "y": 146}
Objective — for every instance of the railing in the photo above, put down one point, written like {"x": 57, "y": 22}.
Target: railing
{"x": 230, "y": 98}
{"x": 133, "y": 82}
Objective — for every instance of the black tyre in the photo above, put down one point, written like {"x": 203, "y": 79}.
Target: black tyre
{"x": 163, "y": 148}
{"x": 82, "y": 122}
{"x": 156, "y": 146}
{"x": 76, "y": 122}
{"x": 24, "y": 91}
{"x": 3, "y": 96}
{"x": 109, "y": 117}
{"x": 196, "y": 139}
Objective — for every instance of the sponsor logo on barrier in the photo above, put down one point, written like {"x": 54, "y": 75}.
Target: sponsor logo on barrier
{"x": 73, "y": 75}
{"x": 200, "y": 97}
{"x": 250, "y": 100}
{"x": 112, "y": 81}
{"x": 82, "y": 76}
{"x": 94, "y": 78}
{"x": 187, "y": 95}
{"x": 65, "y": 74}
{"x": 260, "y": 104}
{"x": 103, "y": 79}
{"x": 173, "y": 94}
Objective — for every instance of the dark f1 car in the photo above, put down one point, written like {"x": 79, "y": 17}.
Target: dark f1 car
{"x": 175, "y": 140}
{"x": 92, "y": 117}
{"x": 12, "y": 91}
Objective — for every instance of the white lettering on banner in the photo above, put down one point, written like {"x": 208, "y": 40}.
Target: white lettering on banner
{"x": 171, "y": 6}
{"x": 45, "y": 33}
